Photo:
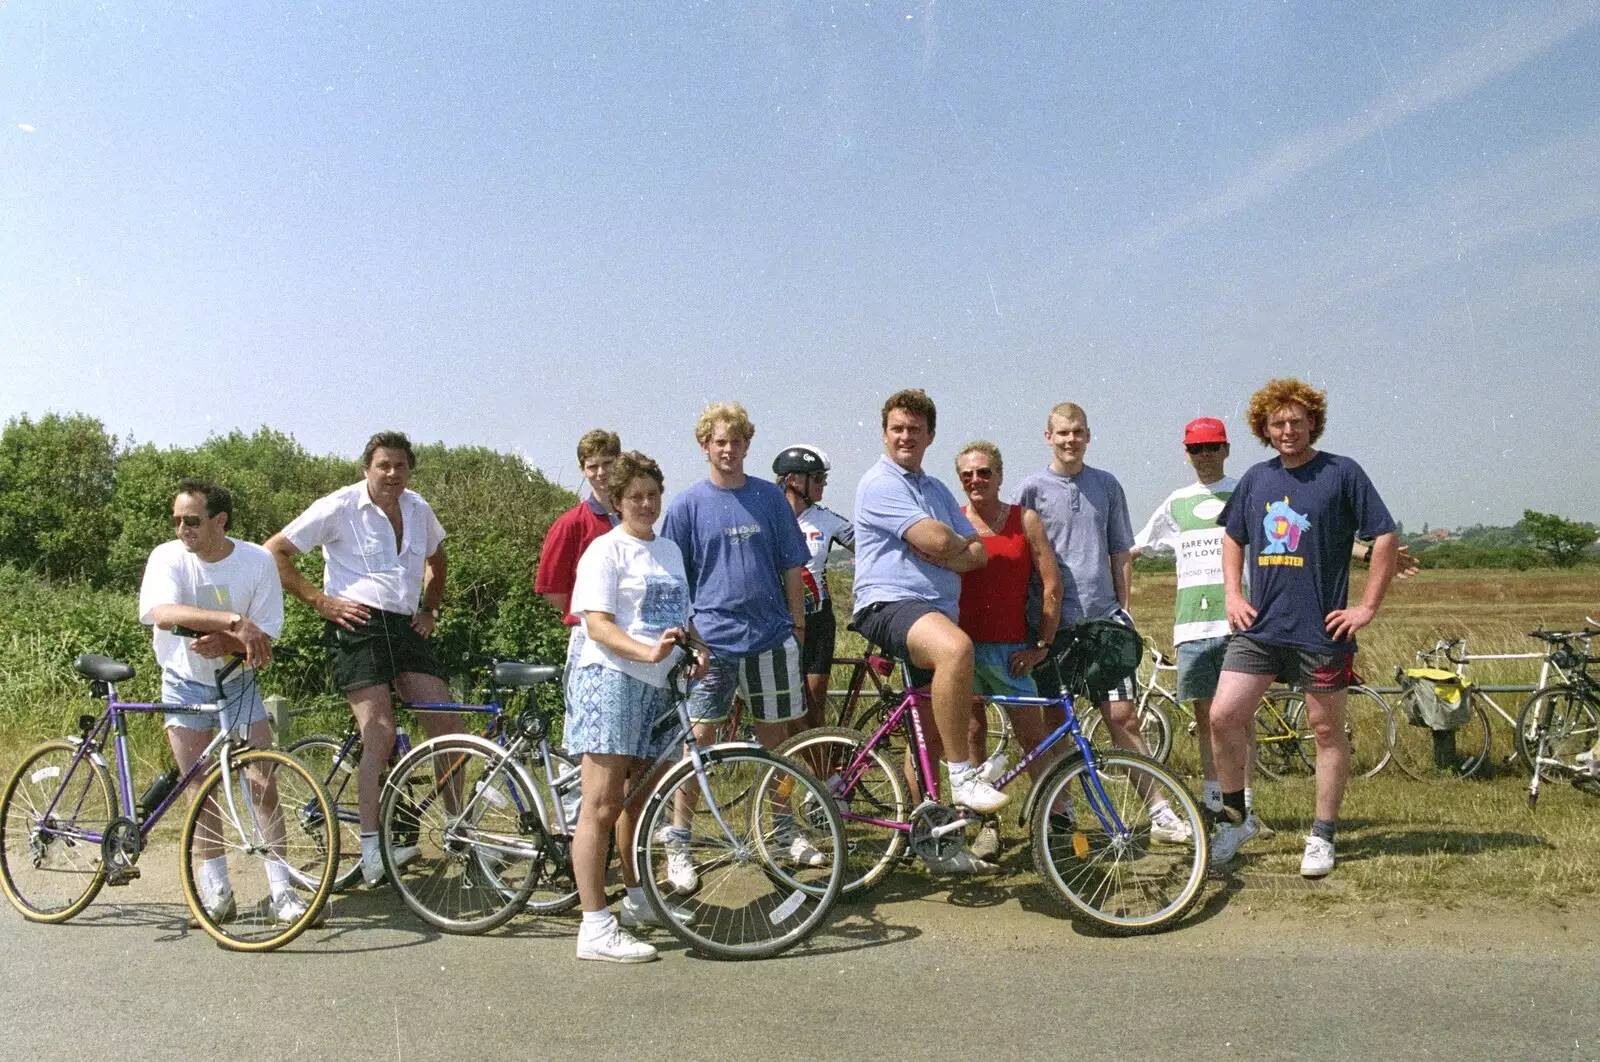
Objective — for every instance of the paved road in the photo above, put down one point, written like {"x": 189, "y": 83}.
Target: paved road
{"x": 979, "y": 973}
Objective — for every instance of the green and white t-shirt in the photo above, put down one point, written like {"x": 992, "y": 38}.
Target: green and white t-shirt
{"x": 1187, "y": 524}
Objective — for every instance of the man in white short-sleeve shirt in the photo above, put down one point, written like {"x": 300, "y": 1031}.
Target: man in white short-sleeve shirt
{"x": 383, "y": 580}
{"x": 223, "y": 596}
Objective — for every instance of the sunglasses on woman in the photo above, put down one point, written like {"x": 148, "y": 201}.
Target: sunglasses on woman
{"x": 976, "y": 473}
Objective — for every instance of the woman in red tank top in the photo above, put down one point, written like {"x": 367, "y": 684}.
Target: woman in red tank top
{"x": 994, "y": 598}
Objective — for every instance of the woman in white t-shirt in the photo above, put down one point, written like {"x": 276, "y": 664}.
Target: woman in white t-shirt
{"x": 633, "y": 595}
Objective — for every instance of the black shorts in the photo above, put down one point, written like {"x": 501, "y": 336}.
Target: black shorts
{"x": 378, "y": 651}
{"x": 817, "y": 656}
{"x": 1293, "y": 666}
{"x": 886, "y": 626}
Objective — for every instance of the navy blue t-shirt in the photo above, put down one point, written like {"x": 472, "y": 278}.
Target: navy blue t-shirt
{"x": 1297, "y": 526}
{"x": 736, "y": 546}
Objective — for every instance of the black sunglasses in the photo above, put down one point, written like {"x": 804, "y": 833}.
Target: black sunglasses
{"x": 976, "y": 473}
{"x": 187, "y": 520}
{"x": 1204, "y": 448}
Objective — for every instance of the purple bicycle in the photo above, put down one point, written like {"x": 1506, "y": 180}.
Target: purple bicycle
{"x": 1116, "y": 835}
{"x": 66, "y": 833}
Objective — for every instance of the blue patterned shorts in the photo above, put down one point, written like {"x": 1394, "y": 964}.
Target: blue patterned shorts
{"x": 614, "y": 714}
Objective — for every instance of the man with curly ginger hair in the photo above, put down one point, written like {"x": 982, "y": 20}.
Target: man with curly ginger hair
{"x": 1296, "y": 517}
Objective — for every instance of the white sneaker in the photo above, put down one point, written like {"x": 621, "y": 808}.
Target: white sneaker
{"x": 222, "y": 911}
{"x": 961, "y": 861}
{"x": 1228, "y": 837}
{"x": 372, "y": 863}
{"x": 613, "y": 944}
{"x": 1318, "y": 860}
{"x": 291, "y": 907}
{"x": 986, "y": 845}
{"x": 680, "y": 863}
{"x": 973, "y": 792}
{"x": 803, "y": 853}
{"x": 642, "y": 915}
{"x": 1166, "y": 827}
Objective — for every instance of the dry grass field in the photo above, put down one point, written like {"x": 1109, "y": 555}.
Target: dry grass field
{"x": 1411, "y": 844}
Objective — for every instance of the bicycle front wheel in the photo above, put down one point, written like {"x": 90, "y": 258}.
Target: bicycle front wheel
{"x": 258, "y": 853}
{"x": 766, "y": 844}
{"x": 1568, "y": 721}
{"x": 869, "y": 801}
{"x": 555, "y": 890}
{"x": 1283, "y": 745}
{"x": 1155, "y": 727}
{"x": 338, "y": 771}
{"x": 1096, "y": 843}
{"x": 1427, "y": 755}
{"x": 49, "y": 865}
{"x": 463, "y": 834}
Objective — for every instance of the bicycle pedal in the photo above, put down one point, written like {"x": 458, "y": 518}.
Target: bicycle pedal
{"x": 125, "y": 876}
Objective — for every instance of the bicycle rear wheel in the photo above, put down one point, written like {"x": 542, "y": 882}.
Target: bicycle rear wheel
{"x": 1128, "y": 879}
{"x": 272, "y": 827}
{"x": 1426, "y": 754}
{"x": 479, "y": 834}
{"x": 1566, "y": 718}
{"x": 338, "y": 771}
{"x": 753, "y": 900}
{"x": 877, "y": 795}
{"x": 1368, "y": 725}
{"x": 49, "y": 867}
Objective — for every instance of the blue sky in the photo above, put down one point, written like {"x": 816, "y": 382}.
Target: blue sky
{"x": 504, "y": 224}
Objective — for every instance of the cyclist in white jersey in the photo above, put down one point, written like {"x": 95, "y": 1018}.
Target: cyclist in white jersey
{"x": 802, "y": 471}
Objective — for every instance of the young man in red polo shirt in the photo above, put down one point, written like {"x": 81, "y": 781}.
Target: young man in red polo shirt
{"x": 574, "y": 529}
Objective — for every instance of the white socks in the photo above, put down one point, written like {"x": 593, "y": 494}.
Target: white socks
{"x": 958, "y": 771}
{"x": 370, "y": 849}
{"x": 279, "y": 880}
{"x": 1211, "y": 794}
{"x": 596, "y": 922}
{"x": 214, "y": 876}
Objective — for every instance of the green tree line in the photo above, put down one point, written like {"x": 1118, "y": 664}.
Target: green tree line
{"x": 80, "y": 512}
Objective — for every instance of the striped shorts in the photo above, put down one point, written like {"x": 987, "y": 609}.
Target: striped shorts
{"x": 769, "y": 682}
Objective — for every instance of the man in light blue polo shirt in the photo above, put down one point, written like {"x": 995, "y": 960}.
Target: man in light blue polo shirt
{"x": 912, "y": 544}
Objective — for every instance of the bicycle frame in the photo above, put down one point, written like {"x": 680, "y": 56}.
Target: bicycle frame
{"x": 113, "y": 724}
{"x": 1093, "y": 790}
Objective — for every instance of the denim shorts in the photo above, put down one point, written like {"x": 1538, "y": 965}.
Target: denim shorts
{"x": 241, "y": 705}
{"x": 1199, "y": 667}
{"x": 614, "y": 714}
{"x": 991, "y": 671}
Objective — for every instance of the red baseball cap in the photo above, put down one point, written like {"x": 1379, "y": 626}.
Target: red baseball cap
{"x": 1204, "y": 430}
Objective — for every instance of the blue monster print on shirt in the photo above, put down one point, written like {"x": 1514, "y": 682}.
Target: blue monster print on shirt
{"x": 1283, "y": 526}
{"x": 665, "y": 604}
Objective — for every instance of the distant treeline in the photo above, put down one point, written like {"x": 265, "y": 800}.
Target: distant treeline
{"x": 81, "y": 510}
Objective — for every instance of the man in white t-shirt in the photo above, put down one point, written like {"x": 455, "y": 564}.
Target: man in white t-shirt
{"x": 383, "y": 580}
{"x": 224, "y": 595}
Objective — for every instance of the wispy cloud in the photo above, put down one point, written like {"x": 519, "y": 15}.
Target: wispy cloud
{"x": 1524, "y": 36}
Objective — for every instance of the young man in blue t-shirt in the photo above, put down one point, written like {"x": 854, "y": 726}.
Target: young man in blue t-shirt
{"x": 1295, "y": 518}
{"x": 743, "y": 553}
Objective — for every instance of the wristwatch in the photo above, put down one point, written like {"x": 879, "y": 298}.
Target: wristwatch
{"x": 234, "y": 620}
{"x": 1041, "y": 644}
{"x": 432, "y": 610}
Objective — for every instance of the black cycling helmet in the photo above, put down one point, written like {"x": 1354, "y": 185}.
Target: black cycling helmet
{"x": 800, "y": 461}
